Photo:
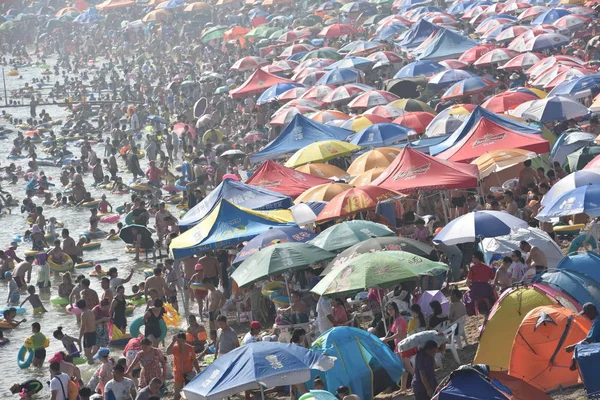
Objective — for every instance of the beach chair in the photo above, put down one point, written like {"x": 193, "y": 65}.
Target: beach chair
{"x": 461, "y": 322}
{"x": 451, "y": 341}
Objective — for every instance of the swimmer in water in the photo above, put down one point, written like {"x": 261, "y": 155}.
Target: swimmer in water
{"x": 27, "y": 389}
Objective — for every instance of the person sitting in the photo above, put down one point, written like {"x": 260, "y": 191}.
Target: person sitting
{"x": 457, "y": 307}
{"x": 340, "y": 315}
{"x": 437, "y": 316}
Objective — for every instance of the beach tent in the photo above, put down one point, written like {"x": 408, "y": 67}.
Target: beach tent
{"x": 579, "y": 286}
{"x": 520, "y": 389}
{"x": 239, "y": 193}
{"x": 445, "y": 45}
{"x": 299, "y": 133}
{"x": 114, "y": 4}
{"x": 417, "y": 34}
{"x": 498, "y": 247}
{"x": 363, "y": 363}
{"x": 588, "y": 359}
{"x": 273, "y": 176}
{"x": 484, "y": 120}
{"x": 258, "y": 82}
{"x": 538, "y": 353}
{"x": 225, "y": 225}
{"x": 412, "y": 170}
{"x": 586, "y": 264}
{"x": 502, "y": 323}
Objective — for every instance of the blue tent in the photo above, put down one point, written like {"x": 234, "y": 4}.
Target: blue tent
{"x": 580, "y": 287}
{"x": 383, "y": 134}
{"x": 447, "y": 44}
{"x": 239, "y": 193}
{"x": 418, "y": 68}
{"x": 299, "y": 133}
{"x": 471, "y": 122}
{"x": 588, "y": 359}
{"x": 417, "y": 34}
{"x": 226, "y": 225}
{"x": 585, "y": 264}
{"x": 363, "y": 363}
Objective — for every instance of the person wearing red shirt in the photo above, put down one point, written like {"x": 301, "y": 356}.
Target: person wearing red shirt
{"x": 153, "y": 174}
{"x": 478, "y": 281}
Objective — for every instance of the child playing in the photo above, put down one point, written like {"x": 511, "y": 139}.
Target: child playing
{"x": 27, "y": 389}
{"x": 68, "y": 342}
{"x": 43, "y": 275}
{"x": 13, "y": 289}
{"x": 9, "y": 316}
{"x": 34, "y": 300}
{"x": 39, "y": 341}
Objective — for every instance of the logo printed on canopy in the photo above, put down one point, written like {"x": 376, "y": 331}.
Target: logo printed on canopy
{"x": 412, "y": 173}
{"x": 265, "y": 184}
{"x": 488, "y": 139}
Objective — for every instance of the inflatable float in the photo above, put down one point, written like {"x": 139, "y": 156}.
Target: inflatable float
{"x": 83, "y": 265}
{"x": 90, "y": 204}
{"x": 59, "y": 301}
{"x": 584, "y": 241}
{"x": 568, "y": 229}
{"x": 110, "y": 218}
{"x": 91, "y": 246}
{"x": 19, "y": 310}
{"x": 66, "y": 265}
{"x": 134, "y": 328}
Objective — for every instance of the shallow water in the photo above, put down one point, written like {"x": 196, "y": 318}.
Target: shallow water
{"x": 75, "y": 219}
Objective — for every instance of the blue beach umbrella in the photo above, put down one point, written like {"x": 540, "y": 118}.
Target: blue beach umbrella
{"x": 550, "y": 16}
{"x": 579, "y": 87}
{"x": 340, "y": 76}
{"x": 276, "y": 90}
{"x": 581, "y": 200}
{"x": 450, "y": 76}
{"x": 417, "y": 68}
{"x": 478, "y": 225}
{"x": 351, "y": 62}
{"x": 271, "y": 236}
{"x": 383, "y": 134}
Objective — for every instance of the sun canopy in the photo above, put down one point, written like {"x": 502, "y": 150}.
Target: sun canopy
{"x": 299, "y": 133}
{"x": 257, "y": 83}
{"x": 417, "y": 34}
{"x": 239, "y": 193}
{"x": 226, "y": 225}
{"x": 273, "y": 176}
{"x": 412, "y": 170}
{"x": 444, "y": 45}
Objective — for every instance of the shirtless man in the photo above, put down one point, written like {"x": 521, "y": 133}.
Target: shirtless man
{"x": 511, "y": 205}
{"x": 89, "y": 295}
{"x": 94, "y": 220}
{"x": 527, "y": 175}
{"x": 535, "y": 258}
{"x": 69, "y": 245}
{"x": 211, "y": 268}
{"x": 215, "y": 300}
{"x": 23, "y": 269}
{"x": 107, "y": 292}
{"x": 87, "y": 333}
{"x": 158, "y": 283}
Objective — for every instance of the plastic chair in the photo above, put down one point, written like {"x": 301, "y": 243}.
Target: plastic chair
{"x": 461, "y": 322}
{"x": 451, "y": 341}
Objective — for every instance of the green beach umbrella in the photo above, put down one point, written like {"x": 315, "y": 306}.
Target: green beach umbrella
{"x": 277, "y": 259}
{"x": 275, "y": 35}
{"x": 322, "y": 53}
{"x": 216, "y": 32}
{"x": 262, "y": 32}
{"x": 222, "y": 89}
{"x": 376, "y": 270}
{"x": 341, "y": 236}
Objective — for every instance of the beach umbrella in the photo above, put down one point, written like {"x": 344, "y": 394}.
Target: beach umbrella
{"x": 248, "y": 63}
{"x": 343, "y": 235}
{"x": 550, "y": 16}
{"x": 505, "y": 101}
{"x": 570, "y": 182}
{"x": 386, "y": 111}
{"x": 275, "y": 91}
{"x": 307, "y": 212}
{"x": 170, "y": 4}
{"x": 495, "y": 56}
{"x": 308, "y": 79}
{"x": 411, "y": 105}
{"x": 522, "y": 61}
{"x": 379, "y": 135}
{"x": 366, "y": 48}
{"x": 532, "y": 12}
{"x": 341, "y": 76}
{"x": 322, "y": 170}
{"x": 498, "y": 160}
{"x": 68, "y": 11}
{"x": 292, "y": 36}
{"x": 446, "y": 122}
{"x": 477, "y": 225}
{"x": 253, "y": 137}
{"x": 320, "y": 152}
{"x": 344, "y": 93}
{"x": 567, "y": 76}
{"x": 284, "y": 234}
{"x": 536, "y": 92}
{"x": 418, "y": 68}
{"x": 286, "y": 115}
{"x": 322, "y": 193}
{"x": 367, "y": 177}
{"x": 287, "y": 66}
{"x": 546, "y": 41}
{"x": 389, "y": 32}
{"x": 293, "y": 94}
{"x": 571, "y": 22}
{"x": 351, "y": 62}
{"x": 468, "y": 87}
{"x": 453, "y": 64}
{"x": 129, "y": 234}
{"x": 295, "y": 48}
{"x": 213, "y": 33}
{"x": 305, "y": 103}
{"x": 474, "y": 53}
{"x": 578, "y": 87}
{"x": 449, "y": 77}
{"x": 277, "y": 259}
{"x": 272, "y": 69}
{"x": 516, "y": 7}
{"x": 582, "y": 157}
{"x": 581, "y": 200}
{"x": 255, "y": 366}
{"x": 511, "y": 33}
{"x": 415, "y": 120}
{"x": 376, "y": 270}
{"x": 385, "y": 57}
{"x": 357, "y": 7}
{"x": 555, "y": 108}
{"x": 262, "y": 32}
{"x": 372, "y": 98}
{"x": 360, "y": 122}
{"x": 326, "y": 116}
{"x": 337, "y": 30}
{"x": 354, "y": 200}
{"x": 325, "y": 52}
{"x": 199, "y": 6}
{"x": 376, "y": 158}
{"x": 318, "y": 93}
{"x": 155, "y": 16}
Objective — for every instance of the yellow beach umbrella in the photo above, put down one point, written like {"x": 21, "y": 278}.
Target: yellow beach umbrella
{"x": 411, "y": 105}
{"x": 498, "y": 160}
{"x": 197, "y": 7}
{"x": 380, "y": 157}
{"x": 323, "y": 192}
{"x": 322, "y": 170}
{"x": 225, "y": 2}
{"x": 367, "y": 177}
{"x": 320, "y": 152}
{"x": 156, "y": 16}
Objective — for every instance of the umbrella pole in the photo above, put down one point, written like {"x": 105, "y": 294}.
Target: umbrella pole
{"x": 383, "y": 314}
{"x": 262, "y": 391}
{"x": 287, "y": 287}
{"x": 444, "y": 206}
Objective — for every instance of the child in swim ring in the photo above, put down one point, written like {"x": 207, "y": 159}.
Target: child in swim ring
{"x": 9, "y": 316}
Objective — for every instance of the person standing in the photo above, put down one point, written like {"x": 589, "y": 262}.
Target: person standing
{"x": 535, "y": 257}
{"x": 87, "y": 333}
{"x": 478, "y": 281}
{"x": 424, "y": 381}
{"x": 227, "y": 339}
{"x": 184, "y": 362}
{"x": 119, "y": 387}
{"x": 152, "y": 362}
{"x": 324, "y": 313}
{"x": 59, "y": 383}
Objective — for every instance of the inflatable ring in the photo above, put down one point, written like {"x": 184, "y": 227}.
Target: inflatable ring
{"x": 32, "y": 252}
{"x": 120, "y": 209}
{"x": 569, "y": 229}
{"x": 198, "y": 286}
{"x": 73, "y": 310}
{"x": 271, "y": 288}
{"x": 148, "y": 272}
{"x": 139, "y": 187}
{"x": 13, "y": 72}
{"x": 78, "y": 360}
{"x": 110, "y": 218}
{"x": 85, "y": 264}
{"x": 94, "y": 235}
{"x": 134, "y": 328}
{"x": 113, "y": 237}
{"x": 19, "y": 310}
{"x": 49, "y": 236}
{"x": 90, "y": 204}
{"x": 129, "y": 219}
{"x": 92, "y": 246}
{"x": 280, "y": 300}
{"x": 129, "y": 310}
{"x": 24, "y": 357}
{"x": 137, "y": 302}
{"x": 131, "y": 250}
{"x": 582, "y": 241}
{"x": 59, "y": 301}
{"x": 67, "y": 264}
{"x": 5, "y": 325}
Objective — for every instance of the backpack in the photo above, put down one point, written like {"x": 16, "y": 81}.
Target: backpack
{"x": 72, "y": 392}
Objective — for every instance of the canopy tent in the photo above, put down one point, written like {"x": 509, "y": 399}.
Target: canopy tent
{"x": 299, "y": 133}
{"x": 588, "y": 359}
{"x": 579, "y": 286}
{"x": 114, "y": 4}
{"x": 473, "y": 122}
{"x": 273, "y": 176}
{"x": 258, "y": 82}
{"x": 417, "y": 34}
{"x": 445, "y": 45}
{"x": 239, "y": 193}
{"x": 225, "y": 225}
{"x": 413, "y": 170}
{"x": 585, "y": 264}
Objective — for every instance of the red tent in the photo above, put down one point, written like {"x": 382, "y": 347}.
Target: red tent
{"x": 412, "y": 170}
{"x": 256, "y": 84}
{"x": 284, "y": 180}
{"x": 486, "y": 136}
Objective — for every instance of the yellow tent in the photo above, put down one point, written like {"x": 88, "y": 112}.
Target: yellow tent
{"x": 499, "y": 330}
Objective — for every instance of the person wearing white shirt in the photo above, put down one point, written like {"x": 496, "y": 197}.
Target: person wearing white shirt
{"x": 59, "y": 385}
{"x": 518, "y": 267}
{"x": 250, "y": 337}
{"x": 120, "y": 387}
{"x": 324, "y": 313}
